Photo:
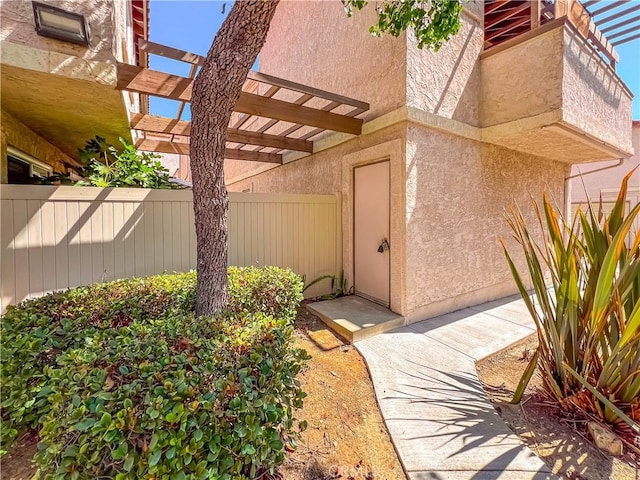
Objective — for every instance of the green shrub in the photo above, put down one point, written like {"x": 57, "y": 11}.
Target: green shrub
{"x": 177, "y": 398}
{"x": 36, "y": 332}
{"x": 270, "y": 290}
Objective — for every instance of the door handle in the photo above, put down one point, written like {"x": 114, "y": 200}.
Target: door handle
{"x": 384, "y": 246}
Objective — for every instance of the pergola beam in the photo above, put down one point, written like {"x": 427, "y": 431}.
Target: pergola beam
{"x": 163, "y": 146}
{"x": 495, "y": 6}
{"x": 625, "y": 40}
{"x": 618, "y": 14}
{"x": 183, "y": 56}
{"x": 156, "y": 124}
{"x": 623, "y": 23}
{"x": 511, "y": 26}
{"x": 160, "y": 84}
{"x": 606, "y": 8}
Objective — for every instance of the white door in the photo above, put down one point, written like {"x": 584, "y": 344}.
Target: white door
{"x": 371, "y": 232}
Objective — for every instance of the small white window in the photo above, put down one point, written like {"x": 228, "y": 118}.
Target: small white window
{"x": 36, "y": 167}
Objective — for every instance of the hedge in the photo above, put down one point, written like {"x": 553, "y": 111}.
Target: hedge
{"x": 125, "y": 382}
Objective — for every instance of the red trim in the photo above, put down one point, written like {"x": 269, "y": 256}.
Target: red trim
{"x": 140, "y": 16}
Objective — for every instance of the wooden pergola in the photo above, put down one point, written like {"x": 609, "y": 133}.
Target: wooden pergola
{"x": 619, "y": 20}
{"x": 272, "y": 115}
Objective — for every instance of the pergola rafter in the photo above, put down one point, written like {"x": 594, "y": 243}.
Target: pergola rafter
{"x": 272, "y": 115}
{"x": 505, "y": 20}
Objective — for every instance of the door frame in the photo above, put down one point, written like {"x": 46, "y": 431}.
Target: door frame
{"x": 393, "y": 152}
{"x": 353, "y": 192}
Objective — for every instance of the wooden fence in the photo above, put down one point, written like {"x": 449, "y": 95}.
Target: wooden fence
{"x": 55, "y": 238}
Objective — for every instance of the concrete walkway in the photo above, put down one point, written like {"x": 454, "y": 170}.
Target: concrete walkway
{"x": 440, "y": 420}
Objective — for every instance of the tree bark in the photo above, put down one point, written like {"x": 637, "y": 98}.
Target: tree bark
{"x": 216, "y": 90}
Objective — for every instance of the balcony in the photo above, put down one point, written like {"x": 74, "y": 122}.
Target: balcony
{"x": 549, "y": 85}
{"x": 44, "y": 79}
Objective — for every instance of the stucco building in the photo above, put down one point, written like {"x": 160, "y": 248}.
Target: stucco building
{"x": 58, "y": 80}
{"x": 444, "y": 141}
{"x": 463, "y": 132}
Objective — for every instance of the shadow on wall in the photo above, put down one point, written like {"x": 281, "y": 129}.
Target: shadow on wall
{"x": 50, "y": 243}
{"x": 593, "y": 70}
{"x": 55, "y": 238}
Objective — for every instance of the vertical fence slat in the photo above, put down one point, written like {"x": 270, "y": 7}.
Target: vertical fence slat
{"x": 49, "y": 266}
{"x": 84, "y": 224}
{"x": 97, "y": 242}
{"x": 129, "y": 240}
{"x": 139, "y": 238}
{"x": 61, "y": 244}
{"x": 34, "y": 239}
{"x": 73, "y": 239}
{"x": 192, "y": 237}
{"x": 119, "y": 241}
{"x": 108, "y": 247}
{"x": 21, "y": 246}
{"x": 149, "y": 250}
{"x": 7, "y": 255}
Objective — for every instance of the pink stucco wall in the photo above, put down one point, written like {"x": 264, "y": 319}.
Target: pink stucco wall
{"x": 316, "y": 44}
{"x": 455, "y": 185}
{"x": 457, "y": 191}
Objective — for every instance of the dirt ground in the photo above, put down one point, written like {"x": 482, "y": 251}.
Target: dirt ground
{"x": 346, "y": 438}
{"x": 562, "y": 442}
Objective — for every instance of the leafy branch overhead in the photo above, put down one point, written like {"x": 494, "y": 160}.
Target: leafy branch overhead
{"x": 433, "y": 22}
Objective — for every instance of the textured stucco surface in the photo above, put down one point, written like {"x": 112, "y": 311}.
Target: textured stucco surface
{"x": 315, "y": 43}
{"x": 320, "y": 173}
{"x": 546, "y": 141}
{"x": 554, "y": 80}
{"x": 447, "y": 82}
{"x": 456, "y": 192}
{"x": 17, "y": 25}
{"x": 66, "y": 112}
{"x": 479, "y": 132}
{"x": 15, "y": 134}
{"x": 593, "y": 99}
{"x": 62, "y": 91}
{"x": 522, "y": 81}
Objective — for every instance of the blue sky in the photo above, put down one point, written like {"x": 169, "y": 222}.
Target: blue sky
{"x": 191, "y": 25}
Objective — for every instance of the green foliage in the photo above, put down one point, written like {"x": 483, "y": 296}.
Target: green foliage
{"x": 588, "y": 318}
{"x": 180, "y": 398}
{"x": 270, "y": 290}
{"x": 433, "y": 22}
{"x": 35, "y": 332}
{"x": 339, "y": 287}
{"x": 109, "y": 167}
{"x": 107, "y": 345}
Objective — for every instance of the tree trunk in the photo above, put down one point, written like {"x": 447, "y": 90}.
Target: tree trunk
{"x": 215, "y": 92}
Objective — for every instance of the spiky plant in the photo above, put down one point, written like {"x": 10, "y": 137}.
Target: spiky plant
{"x": 586, "y": 310}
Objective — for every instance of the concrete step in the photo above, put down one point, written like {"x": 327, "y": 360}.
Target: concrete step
{"x": 354, "y": 318}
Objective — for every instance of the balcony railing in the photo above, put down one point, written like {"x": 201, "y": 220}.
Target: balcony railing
{"x": 505, "y": 20}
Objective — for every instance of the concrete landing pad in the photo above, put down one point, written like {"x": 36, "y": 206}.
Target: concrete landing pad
{"x": 355, "y": 318}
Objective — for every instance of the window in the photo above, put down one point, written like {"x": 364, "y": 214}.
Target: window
{"x": 22, "y": 167}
